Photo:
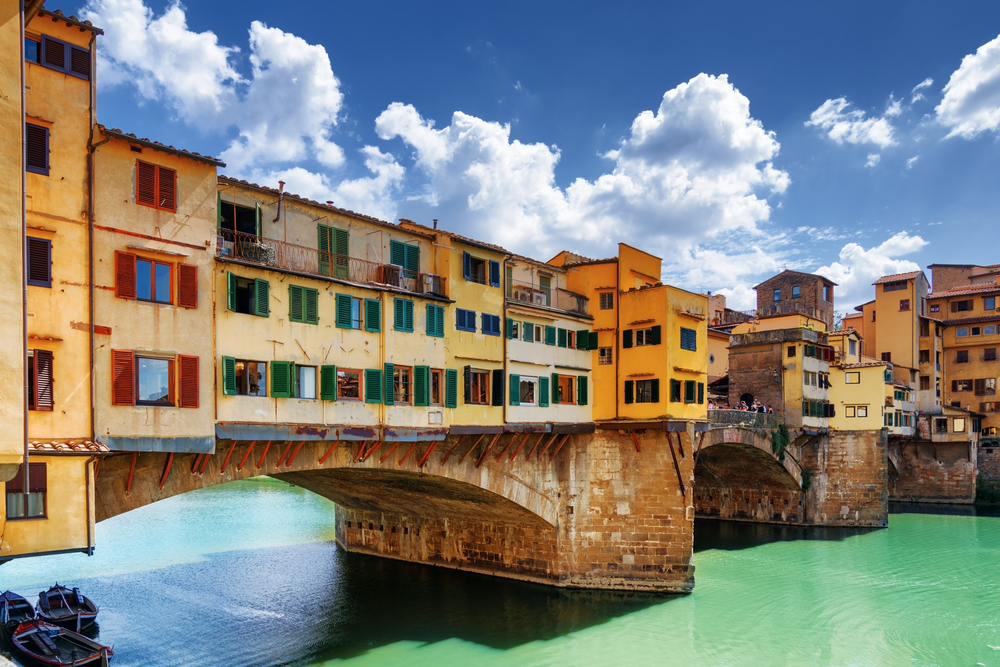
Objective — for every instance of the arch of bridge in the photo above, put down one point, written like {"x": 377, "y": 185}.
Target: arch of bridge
{"x": 751, "y": 437}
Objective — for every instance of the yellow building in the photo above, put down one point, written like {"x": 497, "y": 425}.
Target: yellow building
{"x": 51, "y": 508}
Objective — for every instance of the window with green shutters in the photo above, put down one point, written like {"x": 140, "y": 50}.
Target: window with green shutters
{"x": 435, "y": 321}
{"x": 373, "y": 385}
{"x": 421, "y": 386}
{"x": 345, "y": 312}
{"x": 373, "y": 315}
{"x": 282, "y": 379}
{"x": 701, "y": 393}
{"x": 334, "y": 249}
{"x": 450, "y": 388}
{"x": 251, "y": 297}
{"x": 229, "y": 376}
{"x": 389, "y": 397}
{"x": 406, "y": 256}
{"x": 689, "y": 391}
{"x": 561, "y": 338}
{"x": 543, "y": 392}
{"x": 231, "y": 287}
{"x": 510, "y": 328}
{"x": 550, "y": 335}
{"x": 583, "y": 339}
{"x": 515, "y": 388}
{"x": 261, "y": 297}
{"x": 328, "y": 383}
{"x": 528, "y": 332}
{"x": 303, "y": 304}
{"x": 629, "y": 391}
{"x": 675, "y": 391}
{"x": 581, "y": 390}
{"x": 402, "y": 315}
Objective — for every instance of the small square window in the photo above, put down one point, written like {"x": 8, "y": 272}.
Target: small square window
{"x": 962, "y": 332}
{"x": 791, "y": 350}
{"x": 796, "y": 292}
{"x": 862, "y": 411}
{"x": 305, "y": 382}
{"x": 607, "y": 300}
{"x": 567, "y": 385}
{"x": 852, "y": 377}
{"x": 777, "y": 295}
{"x": 437, "y": 385}
{"x": 605, "y": 356}
{"x": 935, "y": 308}
{"x": 348, "y": 385}
{"x": 904, "y": 304}
{"x": 402, "y": 385}
{"x": 989, "y": 303}
{"x": 152, "y": 281}
{"x": 154, "y": 381}
{"x": 849, "y": 411}
{"x": 251, "y": 378}
{"x": 479, "y": 386}
{"x": 528, "y": 391}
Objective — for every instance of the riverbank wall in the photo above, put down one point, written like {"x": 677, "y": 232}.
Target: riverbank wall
{"x": 935, "y": 472}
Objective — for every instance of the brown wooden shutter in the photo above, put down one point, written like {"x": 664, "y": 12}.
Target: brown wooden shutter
{"x": 43, "y": 380}
{"x": 122, "y": 377}
{"x": 166, "y": 189}
{"x": 79, "y": 62}
{"x": 124, "y": 275}
{"x": 145, "y": 183}
{"x": 37, "y": 139}
{"x": 187, "y": 285}
{"x": 38, "y": 481}
{"x": 189, "y": 381}
{"x": 39, "y": 262}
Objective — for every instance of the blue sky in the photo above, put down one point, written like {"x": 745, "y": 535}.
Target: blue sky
{"x": 733, "y": 139}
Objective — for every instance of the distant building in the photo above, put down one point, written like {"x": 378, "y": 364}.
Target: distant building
{"x": 796, "y": 292}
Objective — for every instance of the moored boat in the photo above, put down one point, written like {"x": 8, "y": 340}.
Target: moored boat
{"x": 14, "y": 610}
{"x": 50, "y": 644}
{"x": 67, "y": 607}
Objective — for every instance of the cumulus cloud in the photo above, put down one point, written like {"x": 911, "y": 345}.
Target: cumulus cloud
{"x": 912, "y": 161}
{"x": 284, "y": 112}
{"x": 971, "y": 102}
{"x": 843, "y": 124}
{"x": 873, "y": 160}
{"x": 697, "y": 166}
{"x": 858, "y": 268}
{"x": 917, "y": 93}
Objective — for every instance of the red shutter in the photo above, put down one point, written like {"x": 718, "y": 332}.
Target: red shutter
{"x": 38, "y": 479}
{"x": 189, "y": 381}
{"x": 124, "y": 275}
{"x": 145, "y": 183}
{"x": 166, "y": 180}
{"x": 122, "y": 377}
{"x": 43, "y": 380}
{"x": 187, "y": 285}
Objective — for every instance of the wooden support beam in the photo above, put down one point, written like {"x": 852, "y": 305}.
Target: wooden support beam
{"x": 677, "y": 468}
{"x": 361, "y": 451}
{"x": 474, "y": 445}
{"x": 482, "y": 457}
{"x": 197, "y": 463}
{"x": 504, "y": 450}
{"x": 430, "y": 449}
{"x": 541, "y": 452}
{"x": 263, "y": 455}
{"x": 389, "y": 453}
{"x": 412, "y": 445}
{"x": 697, "y": 452}
{"x": 281, "y": 459}
{"x": 323, "y": 458}
{"x": 166, "y": 469}
{"x": 371, "y": 450}
{"x": 295, "y": 452}
{"x": 635, "y": 439}
{"x": 458, "y": 441}
{"x": 680, "y": 445}
{"x": 532, "y": 452}
{"x": 204, "y": 463}
{"x": 559, "y": 446}
{"x": 131, "y": 473}
{"x": 521, "y": 446}
{"x": 246, "y": 456}
{"x": 225, "y": 461}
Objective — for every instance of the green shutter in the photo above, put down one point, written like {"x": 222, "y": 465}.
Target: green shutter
{"x": 373, "y": 385}
{"x": 390, "y": 389}
{"x": 435, "y": 321}
{"x": 701, "y": 393}
{"x": 373, "y": 315}
{"x": 231, "y": 291}
{"x": 581, "y": 390}
{"x": 328, "y": 383}
{"x": 296, "y": 305}
{"x": 654, "y": 390}
{"x": 656, "y": 334}
{"x": 421, "y": 385}
{"x": 555, "y": 389}
{"x": 324, "y": 249}
{"x": 451, "y": 388}
{"x": 311, "y": 305}
{"x": 398, "y": 314}
{"x": 675, "y": 391}
{"x": 627, "y": 338}
{"x": 342, "y": 250}
{"x": 528, "y": 332}
{"x": 261, "y": 297}
{"x": 583, "y": 339}
{"x": 413, "y": 258}
{"x": 689, "y": 391}
{"x": 543, "y": 392}
{"x": 550, "y": 335}
{"x": 397, "y": 253}
{"x": 408, "y": 315}
{"x": 515, "y": 389}
{"x": 562, "y": 338}
{"x": 343, "y": 311}
{"x": 281, "y": 379}
{"x": 229, "y": 376}
{"x": 510, "y": 329}
{"x": 629, "y": 391}
{"x": 593, "y": 343}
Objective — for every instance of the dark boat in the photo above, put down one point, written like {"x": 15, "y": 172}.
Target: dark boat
{"x": 14, "y": 610}
{"x": 67, "y": 607}
{"x": 49, "y": 644}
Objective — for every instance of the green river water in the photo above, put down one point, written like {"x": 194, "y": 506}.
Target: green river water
{"x": 246, "y": 575}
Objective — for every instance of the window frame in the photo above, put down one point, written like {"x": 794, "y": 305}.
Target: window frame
{"x": 436, "y": 373}
{"x": 171, "y": 380}
{"x": 467, "y": 315}
{"x": 484, "y": 383}
{"x": 35, "y": 169}
{"x": 244, "y": 374}
{"x": 692, "y": 335}
{"x": 342, "y": 374}
{"x": 157, "y": 168}
{"x": 571, "y": 383}
{"x": 605, "y": 356}
{"x": 17, "y": 483}
{"x": 534, "y": 382}
{"x": 606, "y": 300}
{"x": 644, "y": 391}
{"x": 153, "y": 263}
{"x": 402, "y": 388}
{"x": 777, "y": 295}
{"x": 299, "y": 368}
{"x": 848, "y": 377}
{"x": 31, "y": 269}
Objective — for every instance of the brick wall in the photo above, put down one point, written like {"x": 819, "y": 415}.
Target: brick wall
{"x": 933, "y": 472}
{"x": 988, "y": 482}
{"x": 849, "y": 482}
{"x": 751, "y": 371}
{"x": 811, "y": 293}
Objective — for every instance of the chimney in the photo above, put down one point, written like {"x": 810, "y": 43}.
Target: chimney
{"x": 435, "y": 223}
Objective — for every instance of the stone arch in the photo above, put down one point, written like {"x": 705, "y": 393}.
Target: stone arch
{"x": 758, "y": 438}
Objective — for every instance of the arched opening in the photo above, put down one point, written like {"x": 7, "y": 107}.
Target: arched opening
{"x": 747, "y": 398}
{"x": 744, "y": 483}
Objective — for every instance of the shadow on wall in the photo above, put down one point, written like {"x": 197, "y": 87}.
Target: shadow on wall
{"x": 736, "y": 535}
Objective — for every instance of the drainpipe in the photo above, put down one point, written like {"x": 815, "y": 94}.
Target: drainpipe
{"x": 24, "y": 263}
{"x": 618, "y": 324}
{"x": 505, "y": 365}
{"x": 91, "y": 148}
{"x": 281, "y": 197}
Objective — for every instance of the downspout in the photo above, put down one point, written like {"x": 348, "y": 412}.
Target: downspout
{"x": 506, "y": 363}
{"x": 618, "y": 324}
{"x": 281, "y": 196}
{"x": 91, "y": 147}
{"x": 24, "y": 264}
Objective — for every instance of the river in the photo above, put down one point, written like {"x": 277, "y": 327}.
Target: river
{"x": 246, "y": 574}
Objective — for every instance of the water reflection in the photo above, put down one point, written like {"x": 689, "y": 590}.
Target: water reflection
{"x": 947, "y": 510}
{"x": 736, "y": 535}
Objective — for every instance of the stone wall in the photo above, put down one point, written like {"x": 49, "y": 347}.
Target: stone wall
{"x": 943, "y": 472}
{"x": 743, "y": 483}
{"x": 849, "y": 478}
{"x": 811, "y": 293}
{"x": 988, "y": 481}
{"x": 752, "y": 371}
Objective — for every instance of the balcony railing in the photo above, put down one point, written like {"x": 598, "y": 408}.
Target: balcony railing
{"x": 551, "y": 297}
{"x": 743, "y": 418}
{"x": 291, "y": 257}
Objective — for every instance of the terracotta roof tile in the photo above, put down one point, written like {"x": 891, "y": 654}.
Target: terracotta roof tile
{"x": 156, "y": 145}
{"x": 962, "y": 291}
{"x": 67, "y": 447}
{"x": 972, "y": 320}
{"x": 864, "y": 364}
{"x": 897, "y": 277}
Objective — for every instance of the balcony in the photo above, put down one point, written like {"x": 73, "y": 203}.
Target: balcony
{"x": 300, "y": 259}
{"x": 549, "y": 297}
{"x": 744, "y": 418}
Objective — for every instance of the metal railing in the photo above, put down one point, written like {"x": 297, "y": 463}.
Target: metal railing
{"x": 291, "y": 257}
{"x": 551, "y": 297}
{"x": 743, "y": 418}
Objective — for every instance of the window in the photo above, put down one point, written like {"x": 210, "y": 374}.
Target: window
{"x": 958, "y": 425}
{"x": 402, "y": 385}
{"x": 513, "y": 329}
{"x": 988, "y": 407}
{"x": 490, "y": 324}
{"x": 570, "y": 339}
{"x": 527, "y": 390}
{"x": 873, "y": 316}
{"x": 149, "y": 280}
{"x": 402, "y": 314}
{"x": 961, "y": 306}
{"x": 940, "y": 425}
{"x": 962, "y": 332}
{"x": 925, "y": 329}
{"x": 827, "y": 293}
{"x": 435, "y": 321}
{"x": 465, "y": 320}
{"x": 241, "y": 377}
{"x": 961, "y": 356}
{"x": 67, "y": 58}
{"x": 862, "y": 411}
{"x": 36, "y": 149}
{"x": 894, "y": 287}
{"x": 990, "y": 354}
{"x": 925, "y": 383}
{"x": 777, "y": 295}
{"x": 437, "y": 387}
{"x": 40, "y": 380}
{"x": 480, "y": 270}
{"x": 809, "y": 379}
{"x": 373, "y": 315}
{"x": 646, "y": 391}
{"x": 990, "y": 330}
{"x": 477, "y": 387}
{"x": 32, "y": 50}
{"x": 604, "y": 356}
{"x": 935, "y": 308}
{"x": 607, "y": 300}
{"x": 561, "y": 337}
{"x": 154, "y": 380}
{"x": 925, "y": 356}
{"x": 989, "y": 303}
{"x": 303, "y": 304}
{"x": 31, "y": 505}
{"x": 566, "y": 386}
{"x": 961, "y": 385}
{"x": 373, "y": 385}
{"x": 155, "y": 186}
{"x": 348, "y": 384}
{"x": 651, "y": 336}
{"x": 689, "y": 339}
{"x": 977, "y": 331}
{"x": 689, "y": 391}
{"x": 887, "y": 375}
{"x": 39, "y": 270}
{"x": 986, "y": 386}
{"x": 248, "y": 296}
{"x": 242, "y": 219}
{"x": 405, "y": 255}
{"x": 550, "y": 335}
{"x": 451, "y": 388}
{"x": 852, "y": 347}
{"x": 904, "y": 304}
{"x": 849, "y": 411}
{"x": 348, "y": 312}
{"x": 791, "y": 351}
{"x": 528, "y": 333}
{"x": 305, "y": 381}
{"x": 152, "y": 281}
{"x": 796, "y": 291}
{"x": 887, "y": 357}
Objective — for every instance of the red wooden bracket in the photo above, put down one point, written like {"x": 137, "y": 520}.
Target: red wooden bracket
{"x": 457, "y": 442}
{"x": 482, "y": 457}
{"x": 519, "y": 447}
{"x": 247, "y": 455}
{"x": 474, "y": 445}
{"x": 361, "y": 451}
{"x": 423, "y": 459}
{"x": 131, "y": 473}
{"x": 389, "y": 453}
{"x": 372, "y": 450}
{"x": 635, "y": 439}
{"x": 295, "y": 451}
{"x": 263, "y": 455}
{"x": 559, "y": 446}
{"x": 412, "y": 445}
{"x": 284, "y": 453}
{"x": 548, "y": 444}
{"x": 323, "y": 458}
{"x": 204, "y": 463}
{"x": 533, "y": 449}
{"x": 197, "y": 463}
{"x": 166, "y": 469}
{"x": 225, "y": 461}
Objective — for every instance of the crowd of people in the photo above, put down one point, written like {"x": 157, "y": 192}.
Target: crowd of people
{"x": 742, "y": 406}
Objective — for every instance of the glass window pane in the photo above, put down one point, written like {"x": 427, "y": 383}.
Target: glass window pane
{"x": 355, "y": 313}
{"x": 144, "y": 279}
{"x": 435, "y": 388}
{"x": 162, "y": 283}
{"x": 257, "y": 378}
{"x": 31, "y": 49}
{"x": 15, "y": 505}
{"x": 154, "y": 380}
{"x": 528, "y": 391}
{"x": 36, "y": 504}
{"x": 307, "y": 382}
{"x": 348, "y": 384}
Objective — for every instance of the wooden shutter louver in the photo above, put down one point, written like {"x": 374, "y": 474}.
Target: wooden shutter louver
{"x": 125, "y": 275}
{"x": 79, "y": 62}
{"x": 515, "y": 389}
{"x": 421, "y": 385}
{"x": 122, "y": 377}
{"x": 43, "y": 380}
{"x": 373, "y": 315}
{"x": 328, "y": 383}
{"x": 228, "y": 376}
{"x": 296, "y": 309}
{"x": 373, "y": 385}
{"x": 145, "y": 183}
{"x": 187, "y": 285}
{"x": 543, "y": 392}
{"x": 37, "y": 149}
{"x": 343, "y": 318}
{"x": 581, "y": 390}
{"x": 189, "y": 393}
{"x": 166, "y": 189}
{"x": 281, "y": 379}
{"x": 498, "y": 387}
{"x": 450, "y": 388}
{"x": 311, "y": 305}
{"x": 231, "y": 286}
{"x": 261, "y": 297}
{"x": 38, "y": 479}
{"x": 53, "y": 53}
{"x": 39, "y": 262}
{"x": 629, "y": 391}
{"x": 390, "y": 389}
{"x": 467, "y": 378}
{"x": 397, "y": 253}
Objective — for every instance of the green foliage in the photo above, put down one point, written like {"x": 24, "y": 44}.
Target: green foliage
{"x": 986, "y": 493}
{"x": 807, "y": 477}
{"x": 779, "y": 441}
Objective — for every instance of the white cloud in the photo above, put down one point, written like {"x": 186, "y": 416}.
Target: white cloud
{"x": 283, "y": 113}
{"x": 971, "y": 103}
{"x": 741, "y": 297}
{"x": 873, "y": 160}
{"x": 858, "y": 268}
{"x": 912, "y": 161}
{"x": 918, "y": 90}
{"x": 850, "y": 125}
